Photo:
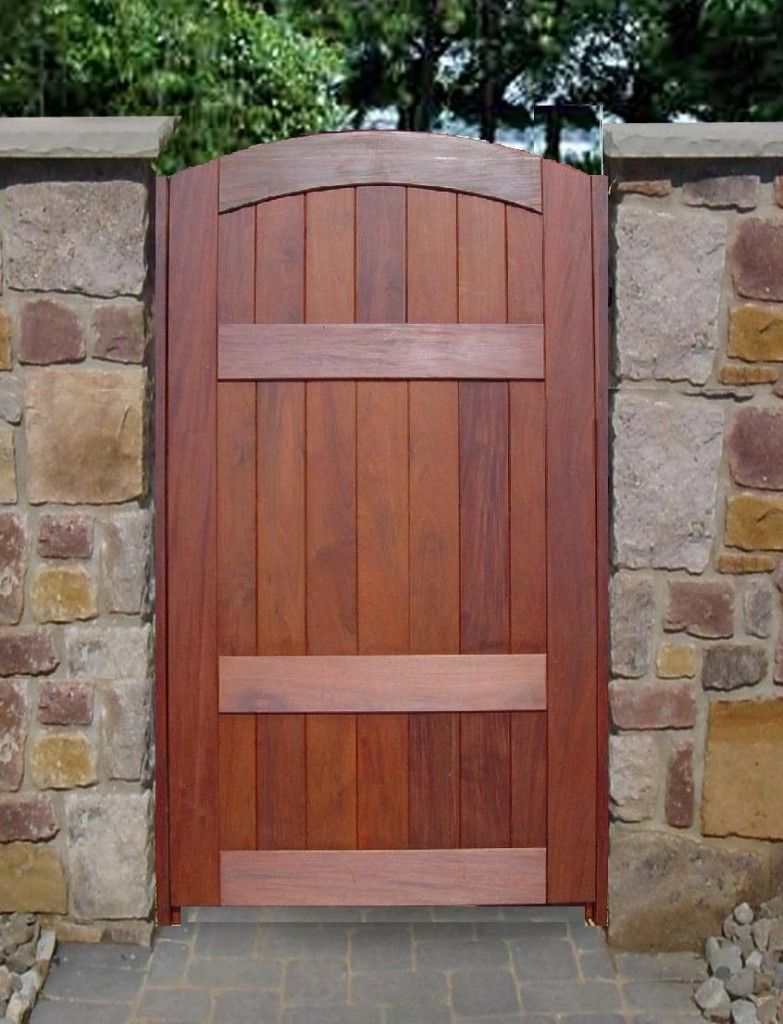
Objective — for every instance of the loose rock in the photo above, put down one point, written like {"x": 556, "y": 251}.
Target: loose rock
{"x": 713, "y": 1000}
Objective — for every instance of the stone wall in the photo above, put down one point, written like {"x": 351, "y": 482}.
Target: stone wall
{"x": 76, "y": 837}
{"x": 696, "y": 750}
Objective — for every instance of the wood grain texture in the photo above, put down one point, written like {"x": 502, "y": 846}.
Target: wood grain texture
{"x": 280, "y": 261}
{"x": 379, "y": 158}
{"x": 524, "y": 241}
{"x": 192, "y": 535}
{"x": 571, "y": 564}
{"x": 383, "y": 683}
{"x": 383, "y": 877}
{"x": 528, "y": 778}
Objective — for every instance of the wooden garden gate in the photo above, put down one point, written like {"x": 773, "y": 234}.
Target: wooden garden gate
{"x": 381, "y": 448}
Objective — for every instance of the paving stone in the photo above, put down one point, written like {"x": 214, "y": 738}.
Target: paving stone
{"x": 55, "y": 1011}
{"x": 454, "y": 955}
{"x": 226, "y": 940}
{"x": 235, "y": 973}
{"x": 315, "y": 982}
{"x": 107, "y": 955}
{"x": 381, "y": 947}
{"x": 551, "y": 915}
{"x": 586, "y": 936}
{"x": 304, "y": 940}
{"x": 245, "y": 1007}
{"x": 544, "y": 962}
{"x": 476, "y": 992}
{"x": 572, "y": 997}
{"x": 190, "y": 1006}
{"x": 168, "y": 963}
{"x": 591, "y": 1018}
{"x": 417, "y": 996}
{"x": 658, "y": 995}
{"x": 466, "y": 913}
{"x": 596, "y": 964}
{"x": 93, "y": 984}
{"x": 464, "y": 931}
{"x": 332, "y": 1015}
{"x": 534, "y": 931}
{"x": 224, "y": 915}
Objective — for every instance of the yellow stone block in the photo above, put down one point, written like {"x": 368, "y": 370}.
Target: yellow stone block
{"x": 63, "y": 595}
{"x": 737, "y": 564}
{"x": 676, "y": 661}
{"x": 740, "y": 374}
{"x": 7, "y": 467}
{"x": 32, "y": 879}
{"x": 755, "y": 523}
{"x": 756, "y": 333}
{"x": 62, "y": 761}
{"x": 5, "y": 340}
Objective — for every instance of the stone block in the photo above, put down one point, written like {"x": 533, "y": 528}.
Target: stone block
{"x": 732, "y": 562}
{"x": 108, "y": 652}
{"x": 87, "y": 237}
{"x": 676, "y": 661}
{"x": 32, "y": 879}
{"x": 667, "y": 454}
{"x": 652, "y": 705}
{"x": 633, "y": 775}
{"x": 631, "y": 619}
{"x": 11, "y": 401}
{"x": 742, "y": 791}
{"x": 5, "y": 340}
{"x": 755, "y": 446}
{"x": 701, "y": 607}
{"x": 120, "y": 333}
{"x": 62, "y": 761}
{"x": 110, "y": 854}
{"x": 679, "y": 785}
{"x": 27, "y": 817}
{"x": 667, "y": 287}
{"x": 739, "y": 191}
{"x": 778, "y": 189}
{"x": 85, "y": 435}
{"x": 729, "y": 666}
{"x": 65, "y": 702}
{"x": 51, "y": 333}
{"x": 758, "y": 606}
{"x": 756, "y": 260}
{"x": 13, "y": 733}
{"x": 7, "y": 467}
{"x": 64, "y": 594}
{"x": 125, "y": 724}
{"x": 743, "y": 375}
{"x": 126, "y": 556}
{"x": 777, "y": 669}
{"x": 654, "y": 189}
{"x": 12, "y": 566}
{"x": 65, "y": 536}
{"x": 756, "y": 333}
{"x": 754, "y": 522}
{"x": 27, "y": 652}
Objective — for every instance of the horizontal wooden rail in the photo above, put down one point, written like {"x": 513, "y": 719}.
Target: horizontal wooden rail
{"x": 337, "y": 159}
{"x": 383, "y": 683}
{"x": 381, "y": 877}
{"x": 405, "y": 351}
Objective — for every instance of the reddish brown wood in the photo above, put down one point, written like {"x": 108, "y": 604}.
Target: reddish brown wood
{"x": 331, "y": 782}
{"x": 486, "y": 790}
{"x": 433, "y": 742}
{"x": 379, "y": 158}
{"x": 383, "y": 877}
{"x": 192, "y": 535}
{"x": 280, "y": 261}
{"x": 571, "y": 558}
{"x": 528, "y": 779}
{"x": 524, "y": 240}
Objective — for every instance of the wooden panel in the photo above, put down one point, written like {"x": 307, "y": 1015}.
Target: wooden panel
{"x": 409, "y": 351}
{"x": 280, "y": 507}
{"x": 524, "y": 240}
{"x": 379, "y": 158}
{"x": 192, "y": 352}
{"x": 382, "y": 877}
{"x": 433, "y": 741}
{"x": 383, "y": 683}
{"x": 528, "y": 779}
{"x": 331, "y": 519}
{"x": 571, "y": 598}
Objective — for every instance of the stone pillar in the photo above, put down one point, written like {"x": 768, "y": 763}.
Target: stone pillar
{"x": 76, "y": 234}
{"x": 697, "y": 520}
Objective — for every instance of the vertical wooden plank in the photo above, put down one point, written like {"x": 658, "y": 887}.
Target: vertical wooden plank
{"x": 434, "y": 518}
{"x": 236, "y": 532}
{"x": 524, "y": 231}
{"x": 571, "y": 537}
{"x": 528, "y": 778}
{"x": 162, "y": 879}
{"x": 280, "y": 739}
{"x": 192, "y": 535}
{"x": 484, "y": 525}
{"x": 331, "y": 519}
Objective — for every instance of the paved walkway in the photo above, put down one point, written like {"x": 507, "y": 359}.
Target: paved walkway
{"x": 418, "y": 966}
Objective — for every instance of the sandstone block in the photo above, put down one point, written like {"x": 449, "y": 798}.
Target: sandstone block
{"x": 655, "y": 705}
{"x": 12, "y": 566}
{"x": 51, "y": 333}
{"x": 742, "y": 791}
{"x": 62, "y": 761}
{"x": 679, "y": 786}
{"x": 125, "y": 724}
{"x": 27, "y": 652}
{"x": 758, "y": 606}
{"x": 110, "y": 853}
{"x": 5, "y": 340}
{"x": 65, "y": 536}
{"x": 737, "y": 190}
{"x": 32, "y": 879}
{"x": 756, "y": 333}
{"x": 7, "y": 467}
{"x": 756, "y": 260}
{"x": 754, "y": 522}
{"x": 667, "y": 283}
{"x": 755, "y": 447}
{"x": 26, "y": 817}
{"x": 666, "y": 459}
{"x": 64, "y": 702}
{"x": 13, "y": 733}
{"x": 64, "y": 594}
{"x": 86, "y": 237}
{"x": 732, "y": 562}
{"x": 10, "y": 399}
{"x": 744, "y": 375}
{"x": 120, "y": 333}
{"x": 126, "y": 556}
{"x": 654, "y": 189}
{"x": 676, "y": 661}
{"x": 702, "y": 608}
{"x": 108, "y": 652}
{"x": 632, "y": 619}
{"x": 729, "y": 666}
{"x": 85, "y": 435}
{"x": 633, "y": 775}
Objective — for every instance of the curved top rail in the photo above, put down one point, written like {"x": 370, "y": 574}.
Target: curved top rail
{"x": 335, "y": 159}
